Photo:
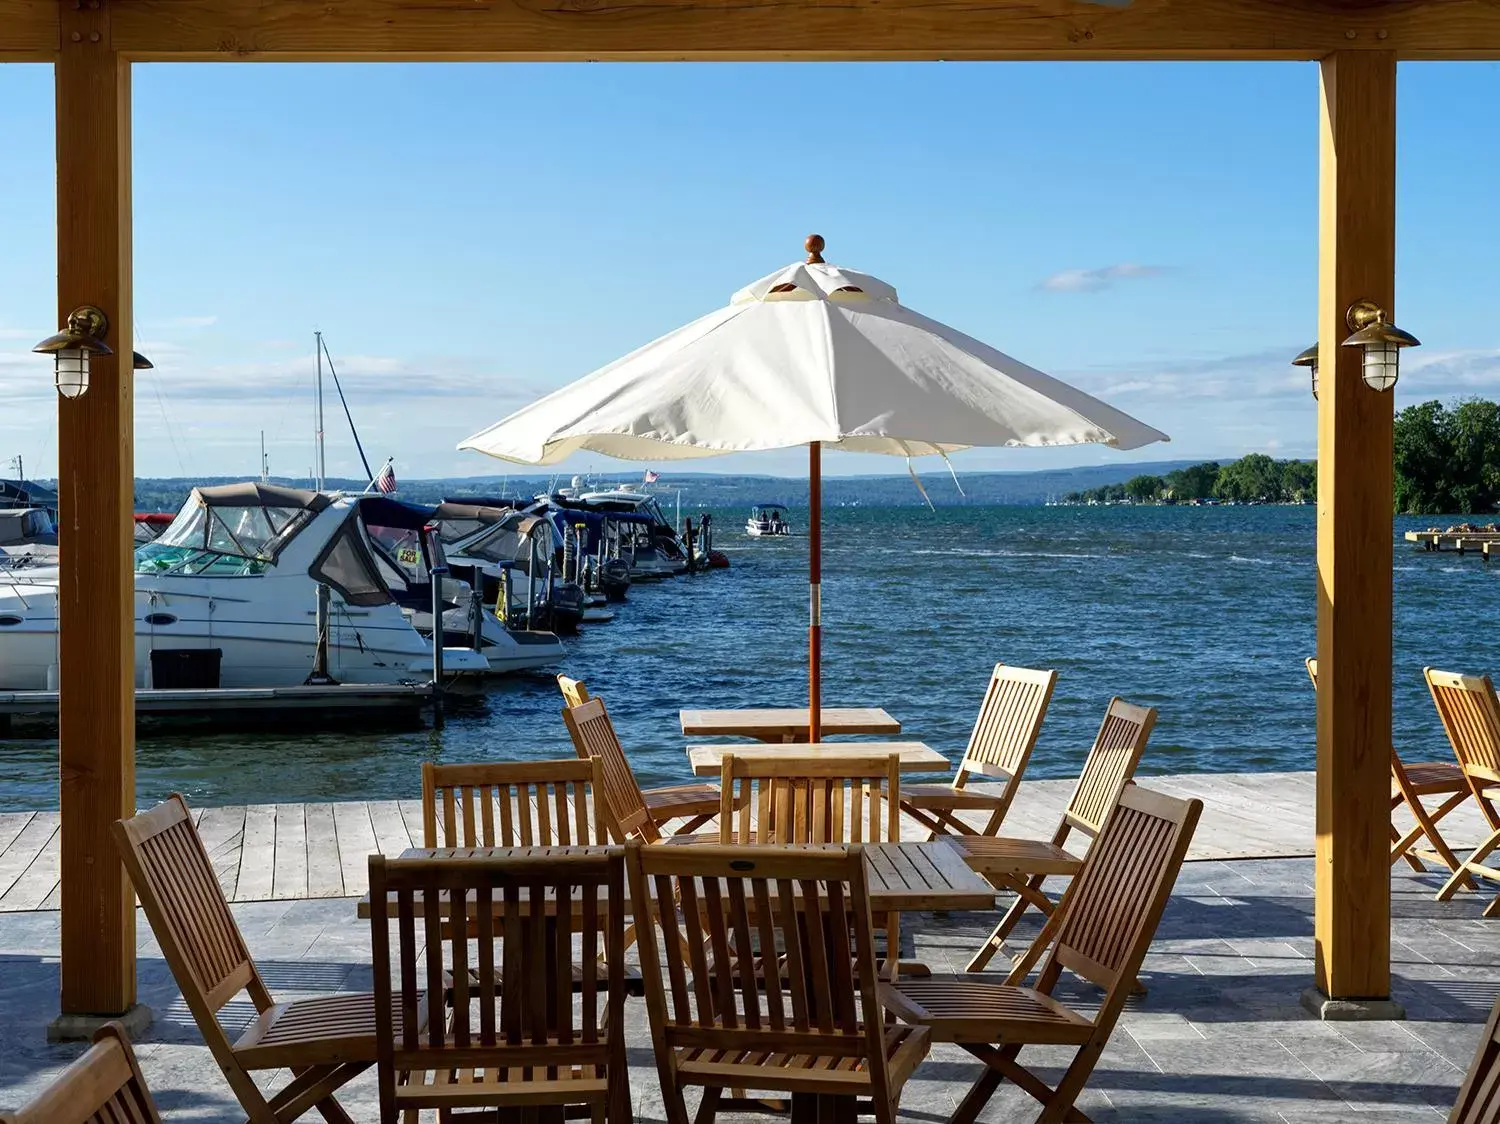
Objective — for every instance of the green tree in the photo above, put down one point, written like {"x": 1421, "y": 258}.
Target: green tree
{"x": 1299, "y": 481}
{"x": 1196, "y": 482}
{"x": 1252, "y": 477}
{"x": 1144, "y": 489}
{"x": 1424, "y": 452}
{"x": 1474, "y": 468}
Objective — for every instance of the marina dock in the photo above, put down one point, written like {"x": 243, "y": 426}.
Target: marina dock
{"x": 343, "y": 701}
{"x": 1464, "y": 542}
{"x": 264, "y": 852}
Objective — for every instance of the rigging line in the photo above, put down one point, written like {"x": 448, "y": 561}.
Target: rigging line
{"x": 344, "y": 403}
{"x": 161, "y": 404}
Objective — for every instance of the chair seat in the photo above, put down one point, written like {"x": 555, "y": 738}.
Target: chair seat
{"x": 1431, "y": 777}
{"x": 768, "y": 1071}
{"x": 998, "y": 855}
{"x": 449, "y": 1088}
{"x": 682, "y": 800}
{"x": 940, "y": 797}
{"x": 325, "y": 1030}
{"x": 972, "y": 1009}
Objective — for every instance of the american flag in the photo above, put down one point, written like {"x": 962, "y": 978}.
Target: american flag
{"x": 651, "y": 477}
{"x": 386, "y": 480}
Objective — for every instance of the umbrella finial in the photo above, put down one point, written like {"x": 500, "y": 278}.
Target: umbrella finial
{"x": 814, "y": 247}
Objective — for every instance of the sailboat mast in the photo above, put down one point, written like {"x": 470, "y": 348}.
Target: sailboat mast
{"x": 265, "y": 465}
{"x": 318, "y": 336}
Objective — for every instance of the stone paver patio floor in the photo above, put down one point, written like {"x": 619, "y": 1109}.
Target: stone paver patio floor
{"x": 1219, "y": 1037}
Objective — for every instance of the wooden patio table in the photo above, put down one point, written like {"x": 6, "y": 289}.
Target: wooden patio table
{"x": 786, "y": 724}
{"x": 916, "y": 757}
{"x": 904, "y": 877}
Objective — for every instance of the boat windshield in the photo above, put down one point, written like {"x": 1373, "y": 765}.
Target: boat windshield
{"x": 506, "y": 541}
{"x": 225, "y": 541}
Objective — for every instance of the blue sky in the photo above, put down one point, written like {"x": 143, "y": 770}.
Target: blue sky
{"x": 470, "y": 236}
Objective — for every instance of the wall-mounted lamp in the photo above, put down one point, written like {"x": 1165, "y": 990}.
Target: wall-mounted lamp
{"x": 1381, "y": 340}
{"x": 1309, "y": 359}
{"x": 71, "y": 348}
{"x": 140, "y": 363}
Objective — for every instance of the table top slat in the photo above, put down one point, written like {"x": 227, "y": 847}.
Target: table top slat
{"x": 916, "y": 757}
{"x": 779, "y": 722}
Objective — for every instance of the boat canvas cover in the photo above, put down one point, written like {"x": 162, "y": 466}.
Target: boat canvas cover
{"x": 257, "y": 525}
{"x": 256, "y": 494}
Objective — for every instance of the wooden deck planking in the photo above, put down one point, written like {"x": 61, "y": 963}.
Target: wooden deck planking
{"x": 356, "y": 842}
{"x": 321, "y": 850}
{"x": 289, "y": 879}
{"x": 325, "y": 875}
{"x": 37, "y": 859}
{"x": 257, "y": 854}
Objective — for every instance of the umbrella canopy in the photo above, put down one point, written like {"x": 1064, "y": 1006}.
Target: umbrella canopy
{"x": 810, "y": 353}
{"x": 813, "y": 355}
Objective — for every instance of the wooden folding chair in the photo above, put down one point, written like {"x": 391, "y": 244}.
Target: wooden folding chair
{"x": 511, "y": 804}
{"x": 516, "y": 1039}
{"x": 1010, "y": 718}
{"x": 789, "y": 799}
{"x": 1108, "y": 917}
{"x": 104, "y": 1086}
{"x": 323, "y": 1041}
{"x": 1479, "y": 1098}
{"x": 1409, "y": 783}
{"x": 515, "y": 804}
{"x": 815, "y": 1031}
{"x": 1471, "y": 716}
{"x": 1022, "y": 866}
{"x": 695, "y": 803}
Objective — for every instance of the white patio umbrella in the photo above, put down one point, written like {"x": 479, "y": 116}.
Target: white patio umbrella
{"x": 811, "y": 355}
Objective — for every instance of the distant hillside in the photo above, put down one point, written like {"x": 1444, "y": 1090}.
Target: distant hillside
{"x": 734, "y": 492}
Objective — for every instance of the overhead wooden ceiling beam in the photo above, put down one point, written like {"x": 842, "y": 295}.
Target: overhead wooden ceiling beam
{"x": 307, "y": 30}
{"x": 28, "y": 30}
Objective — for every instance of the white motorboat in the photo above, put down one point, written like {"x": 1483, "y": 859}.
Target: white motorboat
{"x": 226, "y": 596}
{"x": 767, "y": 520}
{"x": 648, "y": 542}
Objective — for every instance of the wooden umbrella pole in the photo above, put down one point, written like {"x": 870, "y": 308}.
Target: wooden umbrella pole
{"x": 815, "y": 593}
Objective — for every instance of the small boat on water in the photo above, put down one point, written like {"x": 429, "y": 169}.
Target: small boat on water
{"x": 767, "y": 520}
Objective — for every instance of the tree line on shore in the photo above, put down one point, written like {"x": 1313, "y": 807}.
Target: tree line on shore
{"x": 1255, "y": 478}
{"x": 1447, "y": 461}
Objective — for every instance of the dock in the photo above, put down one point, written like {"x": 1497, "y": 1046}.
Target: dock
{"x": 1482, "y": 543}
{"x": 264, "y": 852}
{"x": 340, "y": 701}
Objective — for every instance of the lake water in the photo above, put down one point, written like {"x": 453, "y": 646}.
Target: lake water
{"x": 1205, "y": 613}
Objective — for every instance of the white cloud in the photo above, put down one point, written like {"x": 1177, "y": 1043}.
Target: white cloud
{"x": 1095, "y": 280}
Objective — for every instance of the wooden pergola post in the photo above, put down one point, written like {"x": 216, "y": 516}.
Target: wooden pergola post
{"x": 1357, "y": 259}
{"x": 96, "y": 590}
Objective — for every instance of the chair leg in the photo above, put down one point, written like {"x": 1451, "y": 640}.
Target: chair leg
{"x": 1479, "y": 854}
{"x": 1401, "y": 847}
{"x": 708, "y": 1107}
{"x": 1026, "y": 895}
{"x": 977, "y": 1097}
{"x": 1428, "y": 821}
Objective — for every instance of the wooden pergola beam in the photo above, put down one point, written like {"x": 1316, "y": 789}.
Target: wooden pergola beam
{"x": 1356, "y": 261}
{"x": 96, "y": 494}
{"x": 584, "y": 30}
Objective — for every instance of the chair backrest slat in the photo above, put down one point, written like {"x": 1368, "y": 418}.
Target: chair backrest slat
{"x": 1112, "y": 908}
{"x": 1471, "y": 716}
{"x": 528, "y": 1019}
{"x": 1010, "y": 718}
{"x": 177, "y": 887}
{"x": 1110, "y": 765}
{"x": 104, "y": 1086}
{"x": 511, "y": 804}
{"x": 616, "y": 787}
{"x": 1479, "y": 1098}
{"x": 810, "y": 799}
{"x": 742, "y": 910}
{"x": 574, "y": 693}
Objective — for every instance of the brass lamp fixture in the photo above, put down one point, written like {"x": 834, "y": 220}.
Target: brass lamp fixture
{"x": 71, "y": 348}
{"x": 1309, "y": 358}
{"x": 1381, "y": 340}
